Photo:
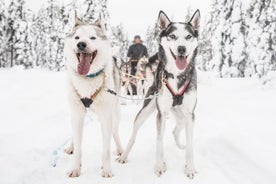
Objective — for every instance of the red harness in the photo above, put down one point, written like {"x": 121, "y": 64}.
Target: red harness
{"x": 181, "y": 93}
{"x": 177, "y": 97}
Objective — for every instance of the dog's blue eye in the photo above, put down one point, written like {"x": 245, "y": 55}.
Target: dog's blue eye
{"x": 188, "y": 37}
{"x": 77, "y": 37}
{"x": 172, "y": 36}
{"x": 93, "y": 38}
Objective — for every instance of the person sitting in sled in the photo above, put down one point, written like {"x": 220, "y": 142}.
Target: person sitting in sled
{"x": 136, "y": 51}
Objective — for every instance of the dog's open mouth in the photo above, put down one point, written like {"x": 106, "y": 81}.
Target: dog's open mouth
{"x": 85, "y": 61}
{"x": 180, "y": 60}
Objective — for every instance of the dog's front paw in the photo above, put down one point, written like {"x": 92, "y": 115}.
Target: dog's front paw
{"x": 69, "y": 150}
{"x": 121, "y": 160}
{"x": 119, "y": 152}
{"x": 74, "y": 172}
{"x": 160, "y": 169}
{"x": 190, "y": 171}
{"x": 106, "y": 173}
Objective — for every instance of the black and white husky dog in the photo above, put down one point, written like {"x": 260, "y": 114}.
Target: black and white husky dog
{"x": 175, "y": 88}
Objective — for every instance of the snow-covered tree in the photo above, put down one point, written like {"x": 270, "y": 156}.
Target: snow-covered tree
{"x": 3, "y": 33}
{"x": 261, "y": 36}
{"x": 50, "y": 36}
{"x": 28, "y": 55}
{"x": 120, "y": 41}
{"x": 88, "y": 10}
{"x": 208, "y": 41}
{"x": 239, "y": 43}
{"x": 28, "y": 39}
{"x": 152, "y": 39}
{"x": 105, "y": 18}
{"x": 226, "y": 39}
{"x": 18, "y": 38}
{"x": 233, "y": 42}
{"x": 238, "y": 35}
{"x": 56, "y": 36}
{"x": 41, "y": 28}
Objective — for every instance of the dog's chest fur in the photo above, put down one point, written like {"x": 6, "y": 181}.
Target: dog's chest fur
{"x": 86, "y": 87}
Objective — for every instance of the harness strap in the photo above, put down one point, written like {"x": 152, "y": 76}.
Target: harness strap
{"x": 181, "y": 92}
{"x": 88, "y": 101}
{"x": 177, "y": 97}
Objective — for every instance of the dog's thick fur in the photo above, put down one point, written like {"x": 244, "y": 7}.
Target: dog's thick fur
{"x": 126, "y": 80}
{"x": 178, "y": 42}
{"x": 141, "y": 76}
{"x": 151, "y": 68}
{"x": 105, "y": 105}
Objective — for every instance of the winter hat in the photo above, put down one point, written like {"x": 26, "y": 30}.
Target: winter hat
{"x": 137, "y": 37}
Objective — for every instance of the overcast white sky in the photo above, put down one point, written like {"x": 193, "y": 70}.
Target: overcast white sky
{"x": 137, "y": 15}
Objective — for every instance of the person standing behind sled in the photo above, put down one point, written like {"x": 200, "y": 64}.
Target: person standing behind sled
{"x": 136, "y": 51}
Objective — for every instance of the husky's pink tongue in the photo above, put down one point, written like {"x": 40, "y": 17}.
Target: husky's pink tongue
{"x": 181, "y": 62}
{"x": 84, "y": 63}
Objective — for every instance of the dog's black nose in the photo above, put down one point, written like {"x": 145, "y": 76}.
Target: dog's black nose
{"x": 181, "y": 50}
{"x": 81, "y": 45}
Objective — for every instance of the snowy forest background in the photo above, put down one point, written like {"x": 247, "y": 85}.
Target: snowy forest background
{"x": 237, "y": 39}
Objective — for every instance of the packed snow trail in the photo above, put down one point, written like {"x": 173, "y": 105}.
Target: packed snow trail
{"x": 234, "y": 134}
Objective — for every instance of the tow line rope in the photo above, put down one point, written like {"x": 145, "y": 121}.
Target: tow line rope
{"x": 56, "y": 153}
{"x": 60, "y": 149}
{"x": 128, "y": 98}
{"x": 137, "y": 77}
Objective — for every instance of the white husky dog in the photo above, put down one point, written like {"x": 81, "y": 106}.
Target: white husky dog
{"x": 91, "y": 69}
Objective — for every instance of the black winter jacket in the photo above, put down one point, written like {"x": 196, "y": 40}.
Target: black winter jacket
{"x": 137, "y": 51}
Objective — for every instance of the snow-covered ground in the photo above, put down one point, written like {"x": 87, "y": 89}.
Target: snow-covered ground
{"x": 235, "y": 135}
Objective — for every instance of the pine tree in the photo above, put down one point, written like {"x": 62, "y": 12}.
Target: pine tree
{"x": 14, "y": 18}
{"x": 225, "y": 39}
{"x": 238, "y": 35}
{"x": 28, "y": 55}
{"x": 152, "y": 39}
{"x": 3, "y": 33}
{"x": 39, "y": 40}
{"x": 50, "y": 37}
{"x": 41, "y": 29}
{"x": 88, "y": 10}
{"x": 19, "y": 42}
{"x": 209, "y": 44}
{"x": 105, "y": 15}
{"x": 261, "y": 36}
{"x": 68, "y": 15}
{"x": 120, "y": 40}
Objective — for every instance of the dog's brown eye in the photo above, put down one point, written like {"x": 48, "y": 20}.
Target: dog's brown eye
{"x": 172, "y": 36}
{"x": 188, "y": 37}
{"x": 93, "y": 38}
{"x": 76, "y": 38}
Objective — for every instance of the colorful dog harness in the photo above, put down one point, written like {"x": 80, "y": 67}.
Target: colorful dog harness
{"x": 88, "y": 101}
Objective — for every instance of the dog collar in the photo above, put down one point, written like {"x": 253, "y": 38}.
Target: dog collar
{"x": 92, "y": 75}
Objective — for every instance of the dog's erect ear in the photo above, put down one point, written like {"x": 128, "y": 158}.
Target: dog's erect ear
{"x": 195, "y": 20}
{"x": 77, "y": 20}
{"x": 100, "y": 23}
{"x": 163, "y": 20}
